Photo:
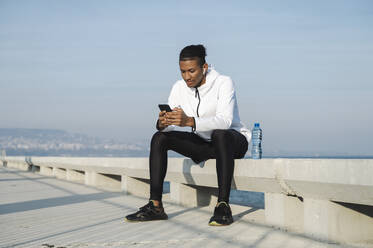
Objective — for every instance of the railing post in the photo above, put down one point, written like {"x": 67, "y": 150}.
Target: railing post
{"x": 59, "y": 173}
{"x": 284, "y": 211}
{"x": 135, "y": 186}
{"x": 345, "y": 222}
{"x": 46, "y": 171}
{"x": 104, "y": 181}
{"x": 192, "y": 195}
{"x": 75, "y": 176}
{"x": 3, "y": 156}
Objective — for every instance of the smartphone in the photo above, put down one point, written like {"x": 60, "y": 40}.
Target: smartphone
{"x": 165, "y": 107}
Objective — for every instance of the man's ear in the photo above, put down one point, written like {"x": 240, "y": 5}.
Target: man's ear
{"x": 205, "y": 68}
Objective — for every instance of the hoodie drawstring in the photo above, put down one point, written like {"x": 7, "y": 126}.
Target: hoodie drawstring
{"x": 199, "y": 100}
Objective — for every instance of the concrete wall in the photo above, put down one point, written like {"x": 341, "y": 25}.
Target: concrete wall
{"x": 325, "y": 198}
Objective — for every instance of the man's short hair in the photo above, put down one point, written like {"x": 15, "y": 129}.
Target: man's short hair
{"x": 193, "y": 52}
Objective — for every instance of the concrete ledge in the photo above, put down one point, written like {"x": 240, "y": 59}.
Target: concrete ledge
{"x": 327, "y": 179}
{"x": 312, "y": 178}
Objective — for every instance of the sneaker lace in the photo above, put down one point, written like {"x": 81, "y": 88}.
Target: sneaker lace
{"x": 148, "y": 209}
{"x": 222, "y": 209}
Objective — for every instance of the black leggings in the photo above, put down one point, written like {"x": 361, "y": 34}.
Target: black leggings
{"x": 225, "y": 146}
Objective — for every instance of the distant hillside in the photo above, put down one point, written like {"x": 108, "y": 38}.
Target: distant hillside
{"x": 52, "y": 142}
{"x": 44, "y": 134}
{"x": 31, "y": 133}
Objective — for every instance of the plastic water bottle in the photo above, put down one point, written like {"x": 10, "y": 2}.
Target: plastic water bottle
{"x": 256, "y": 149}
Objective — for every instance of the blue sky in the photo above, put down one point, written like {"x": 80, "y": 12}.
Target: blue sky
{"x": 303, "y": 69}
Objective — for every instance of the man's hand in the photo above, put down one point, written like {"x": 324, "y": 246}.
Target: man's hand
{"x": 178, "y": 118}
{"x": 162, "y": 120}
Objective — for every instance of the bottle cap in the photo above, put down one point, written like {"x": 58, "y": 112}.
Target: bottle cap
{"x": 256, "y": 124}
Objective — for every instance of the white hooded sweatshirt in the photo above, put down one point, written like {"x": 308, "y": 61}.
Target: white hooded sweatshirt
{"x": 213, "y": 105}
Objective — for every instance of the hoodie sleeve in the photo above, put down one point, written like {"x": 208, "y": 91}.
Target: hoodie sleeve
{"x": 224, "y": 110}
{"x": 173, "y": 102}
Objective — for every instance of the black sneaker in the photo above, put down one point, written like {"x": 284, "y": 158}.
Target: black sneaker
{"x": 147, "y": 213}
{"x": 222, "y": 215}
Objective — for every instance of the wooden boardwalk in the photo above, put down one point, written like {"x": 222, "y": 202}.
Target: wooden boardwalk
{"x": 40, "y": 211}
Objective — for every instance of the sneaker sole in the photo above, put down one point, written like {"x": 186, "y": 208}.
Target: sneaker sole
{"x": 214, "y": 223}
{"x": 134, "y": 221}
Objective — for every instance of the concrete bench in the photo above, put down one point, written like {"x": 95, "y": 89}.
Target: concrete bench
{"x": 327, "y": 198}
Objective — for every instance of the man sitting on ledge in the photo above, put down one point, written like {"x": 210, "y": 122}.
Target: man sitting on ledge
{"x": 205, "y": 101}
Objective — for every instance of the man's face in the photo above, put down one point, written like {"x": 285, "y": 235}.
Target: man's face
{"x": 191, "y": 72}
